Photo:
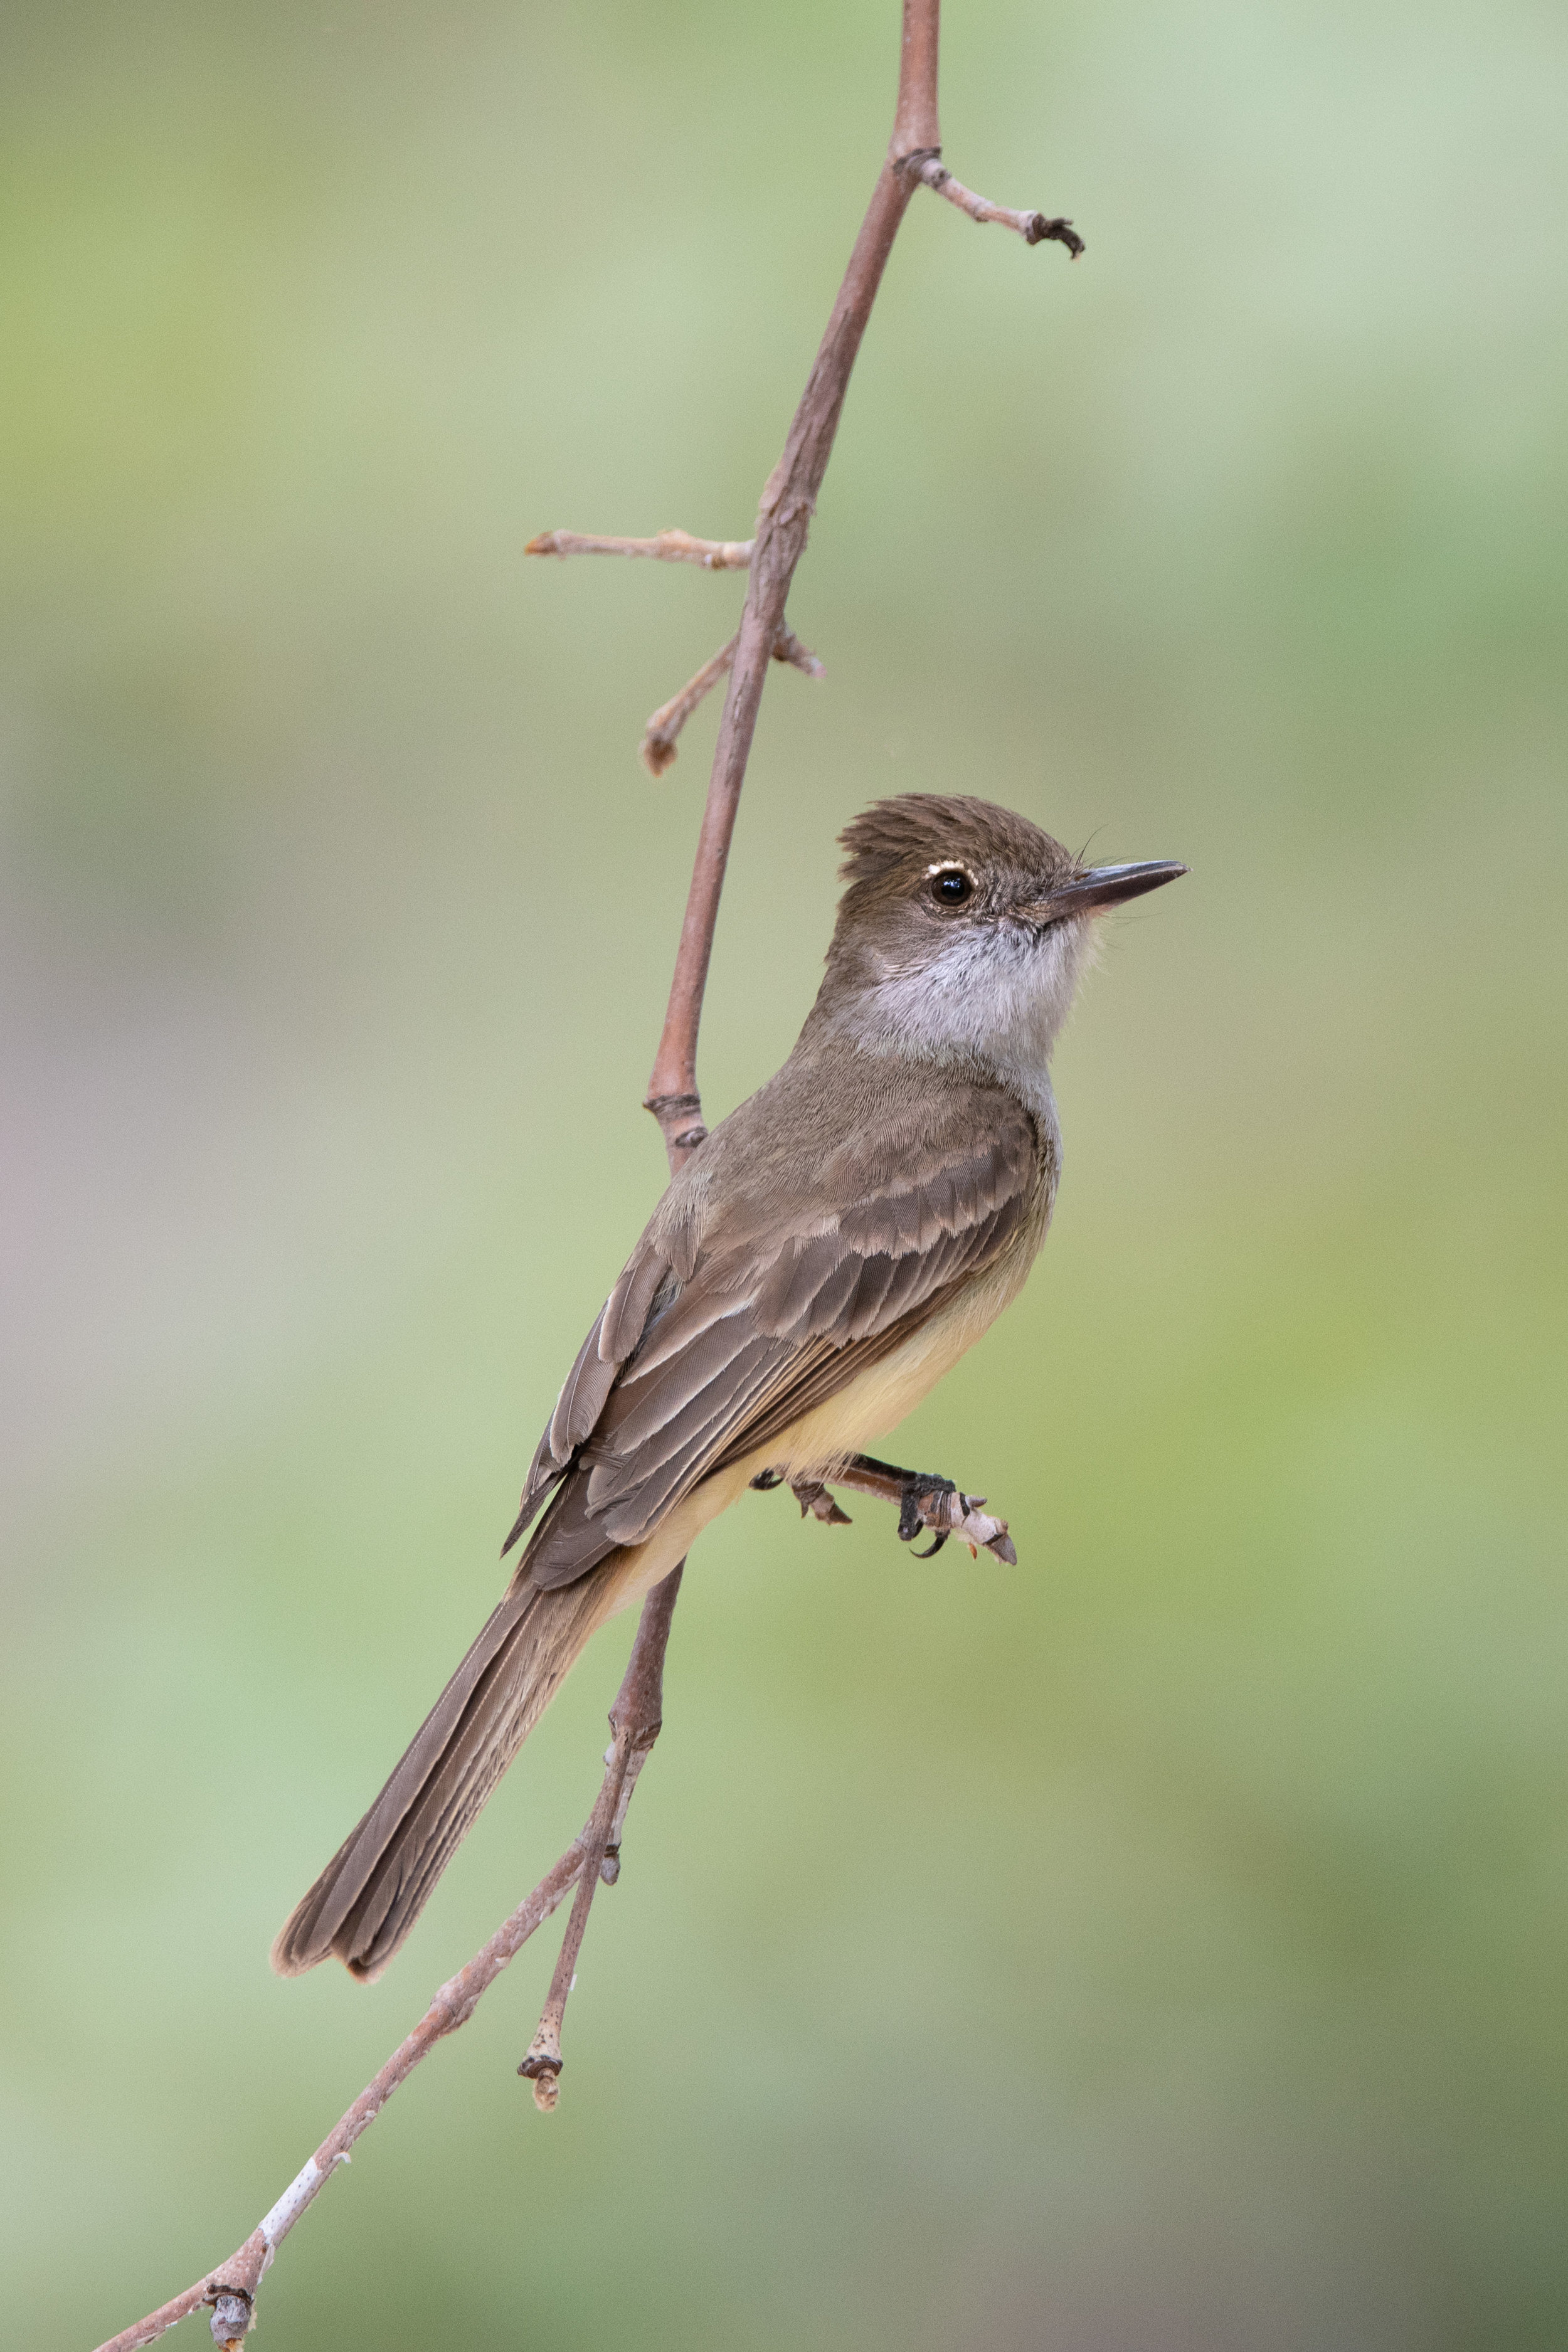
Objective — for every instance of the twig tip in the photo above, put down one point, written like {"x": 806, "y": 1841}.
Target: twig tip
{"x": 1061, "y": 231}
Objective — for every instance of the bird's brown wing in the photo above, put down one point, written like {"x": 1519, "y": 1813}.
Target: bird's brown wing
{"x": 745, "y": 1304}
{"x": 780, "y": 1306}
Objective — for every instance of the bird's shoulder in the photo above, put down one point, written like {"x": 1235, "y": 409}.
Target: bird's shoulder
{"x": 838, "y": 1138}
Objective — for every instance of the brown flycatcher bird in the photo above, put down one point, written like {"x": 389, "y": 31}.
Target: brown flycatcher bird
{"x": 815, "y": 1266}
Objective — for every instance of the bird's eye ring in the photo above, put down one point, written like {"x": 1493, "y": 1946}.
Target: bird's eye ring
{"x": 950, "y": 886}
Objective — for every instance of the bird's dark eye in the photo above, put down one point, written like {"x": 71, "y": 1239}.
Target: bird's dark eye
{"x": 951, "y": 886}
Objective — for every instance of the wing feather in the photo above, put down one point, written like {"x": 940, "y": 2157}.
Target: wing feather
{"x": 582, "y": 1397}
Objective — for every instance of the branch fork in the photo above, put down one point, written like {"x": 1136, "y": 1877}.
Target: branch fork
{"x": 656, "y": 749}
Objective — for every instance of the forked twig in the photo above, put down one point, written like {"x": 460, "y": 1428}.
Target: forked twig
{"x": 635, "y": 1722}
{"x": 656, "y": 749}
{"x": 770, "y": 558}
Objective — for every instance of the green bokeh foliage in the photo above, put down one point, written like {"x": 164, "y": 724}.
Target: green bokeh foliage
{"x": 1162, "y": 1946}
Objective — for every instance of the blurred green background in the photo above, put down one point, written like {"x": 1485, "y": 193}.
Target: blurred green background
{"x": 1162, "y": 1946}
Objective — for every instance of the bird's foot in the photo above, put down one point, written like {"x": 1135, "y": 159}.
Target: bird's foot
{"x": 813, "y": 1498}
{"x": 927, "y": 1505}
{"x": 810, "y": 1494}
{"x": 931, "y": 1504}
{"x": 943, "y": 1508}
{"x": 926, "y": 1502}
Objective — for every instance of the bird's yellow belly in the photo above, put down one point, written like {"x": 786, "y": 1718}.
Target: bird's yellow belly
{"x": 824, "y": 1438}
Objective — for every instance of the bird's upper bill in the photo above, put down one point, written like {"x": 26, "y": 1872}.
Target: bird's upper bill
{"x": 1103, "y": 886}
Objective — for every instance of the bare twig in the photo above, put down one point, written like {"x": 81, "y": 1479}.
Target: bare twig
{"x": 783, "y": 517}
{"x": 666, "y": 547}
{"x": 656, "y": 749}
{"x": 635, "y": 1720}
{"x": 238, "y": 2279}
{"x": 634, "y": 1725}
{"x": 925, "y": 164}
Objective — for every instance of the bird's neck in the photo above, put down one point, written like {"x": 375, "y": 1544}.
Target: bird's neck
{"x": 987, "y": 1008}
{"x": 1014, "y": 1064}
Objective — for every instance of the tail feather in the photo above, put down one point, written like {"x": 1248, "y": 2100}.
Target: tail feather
{"x": 375, "y": 1885}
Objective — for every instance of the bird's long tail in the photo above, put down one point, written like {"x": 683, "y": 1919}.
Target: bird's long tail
{"x": 376, "y": 1884}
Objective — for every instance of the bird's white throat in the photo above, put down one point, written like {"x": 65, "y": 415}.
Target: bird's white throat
{"x": 993, "y": 1000}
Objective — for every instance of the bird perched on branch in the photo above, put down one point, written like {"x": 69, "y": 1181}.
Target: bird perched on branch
{"x": 833, "y": 1247}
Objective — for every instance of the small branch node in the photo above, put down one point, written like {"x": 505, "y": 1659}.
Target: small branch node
{"x": 233, "y": 2315}
{"x": 682, "y": 1131}
{"x": 544, "y": 2066}
{"x": 787, "y": 648}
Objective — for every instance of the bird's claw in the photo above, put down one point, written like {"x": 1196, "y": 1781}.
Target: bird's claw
{"x": 940, "y": 1506}
{"x": 915, "y": 1512}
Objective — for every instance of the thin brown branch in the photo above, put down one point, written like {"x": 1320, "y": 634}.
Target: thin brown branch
{"x": 666, "y": 547}
{"x": 239, "y": 2278}
{"x": 656, "y": 749}
{"x": 926, "y": 166}
{"x": 771, "y": 557}
{"x": 783, "y": 519}
{"x": 635, "y": 1722}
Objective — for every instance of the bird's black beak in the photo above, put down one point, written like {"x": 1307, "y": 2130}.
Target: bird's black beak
{"x": 1104, "y": 886}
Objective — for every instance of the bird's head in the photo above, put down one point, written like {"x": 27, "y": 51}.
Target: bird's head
{"x": 964, "y": 930}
